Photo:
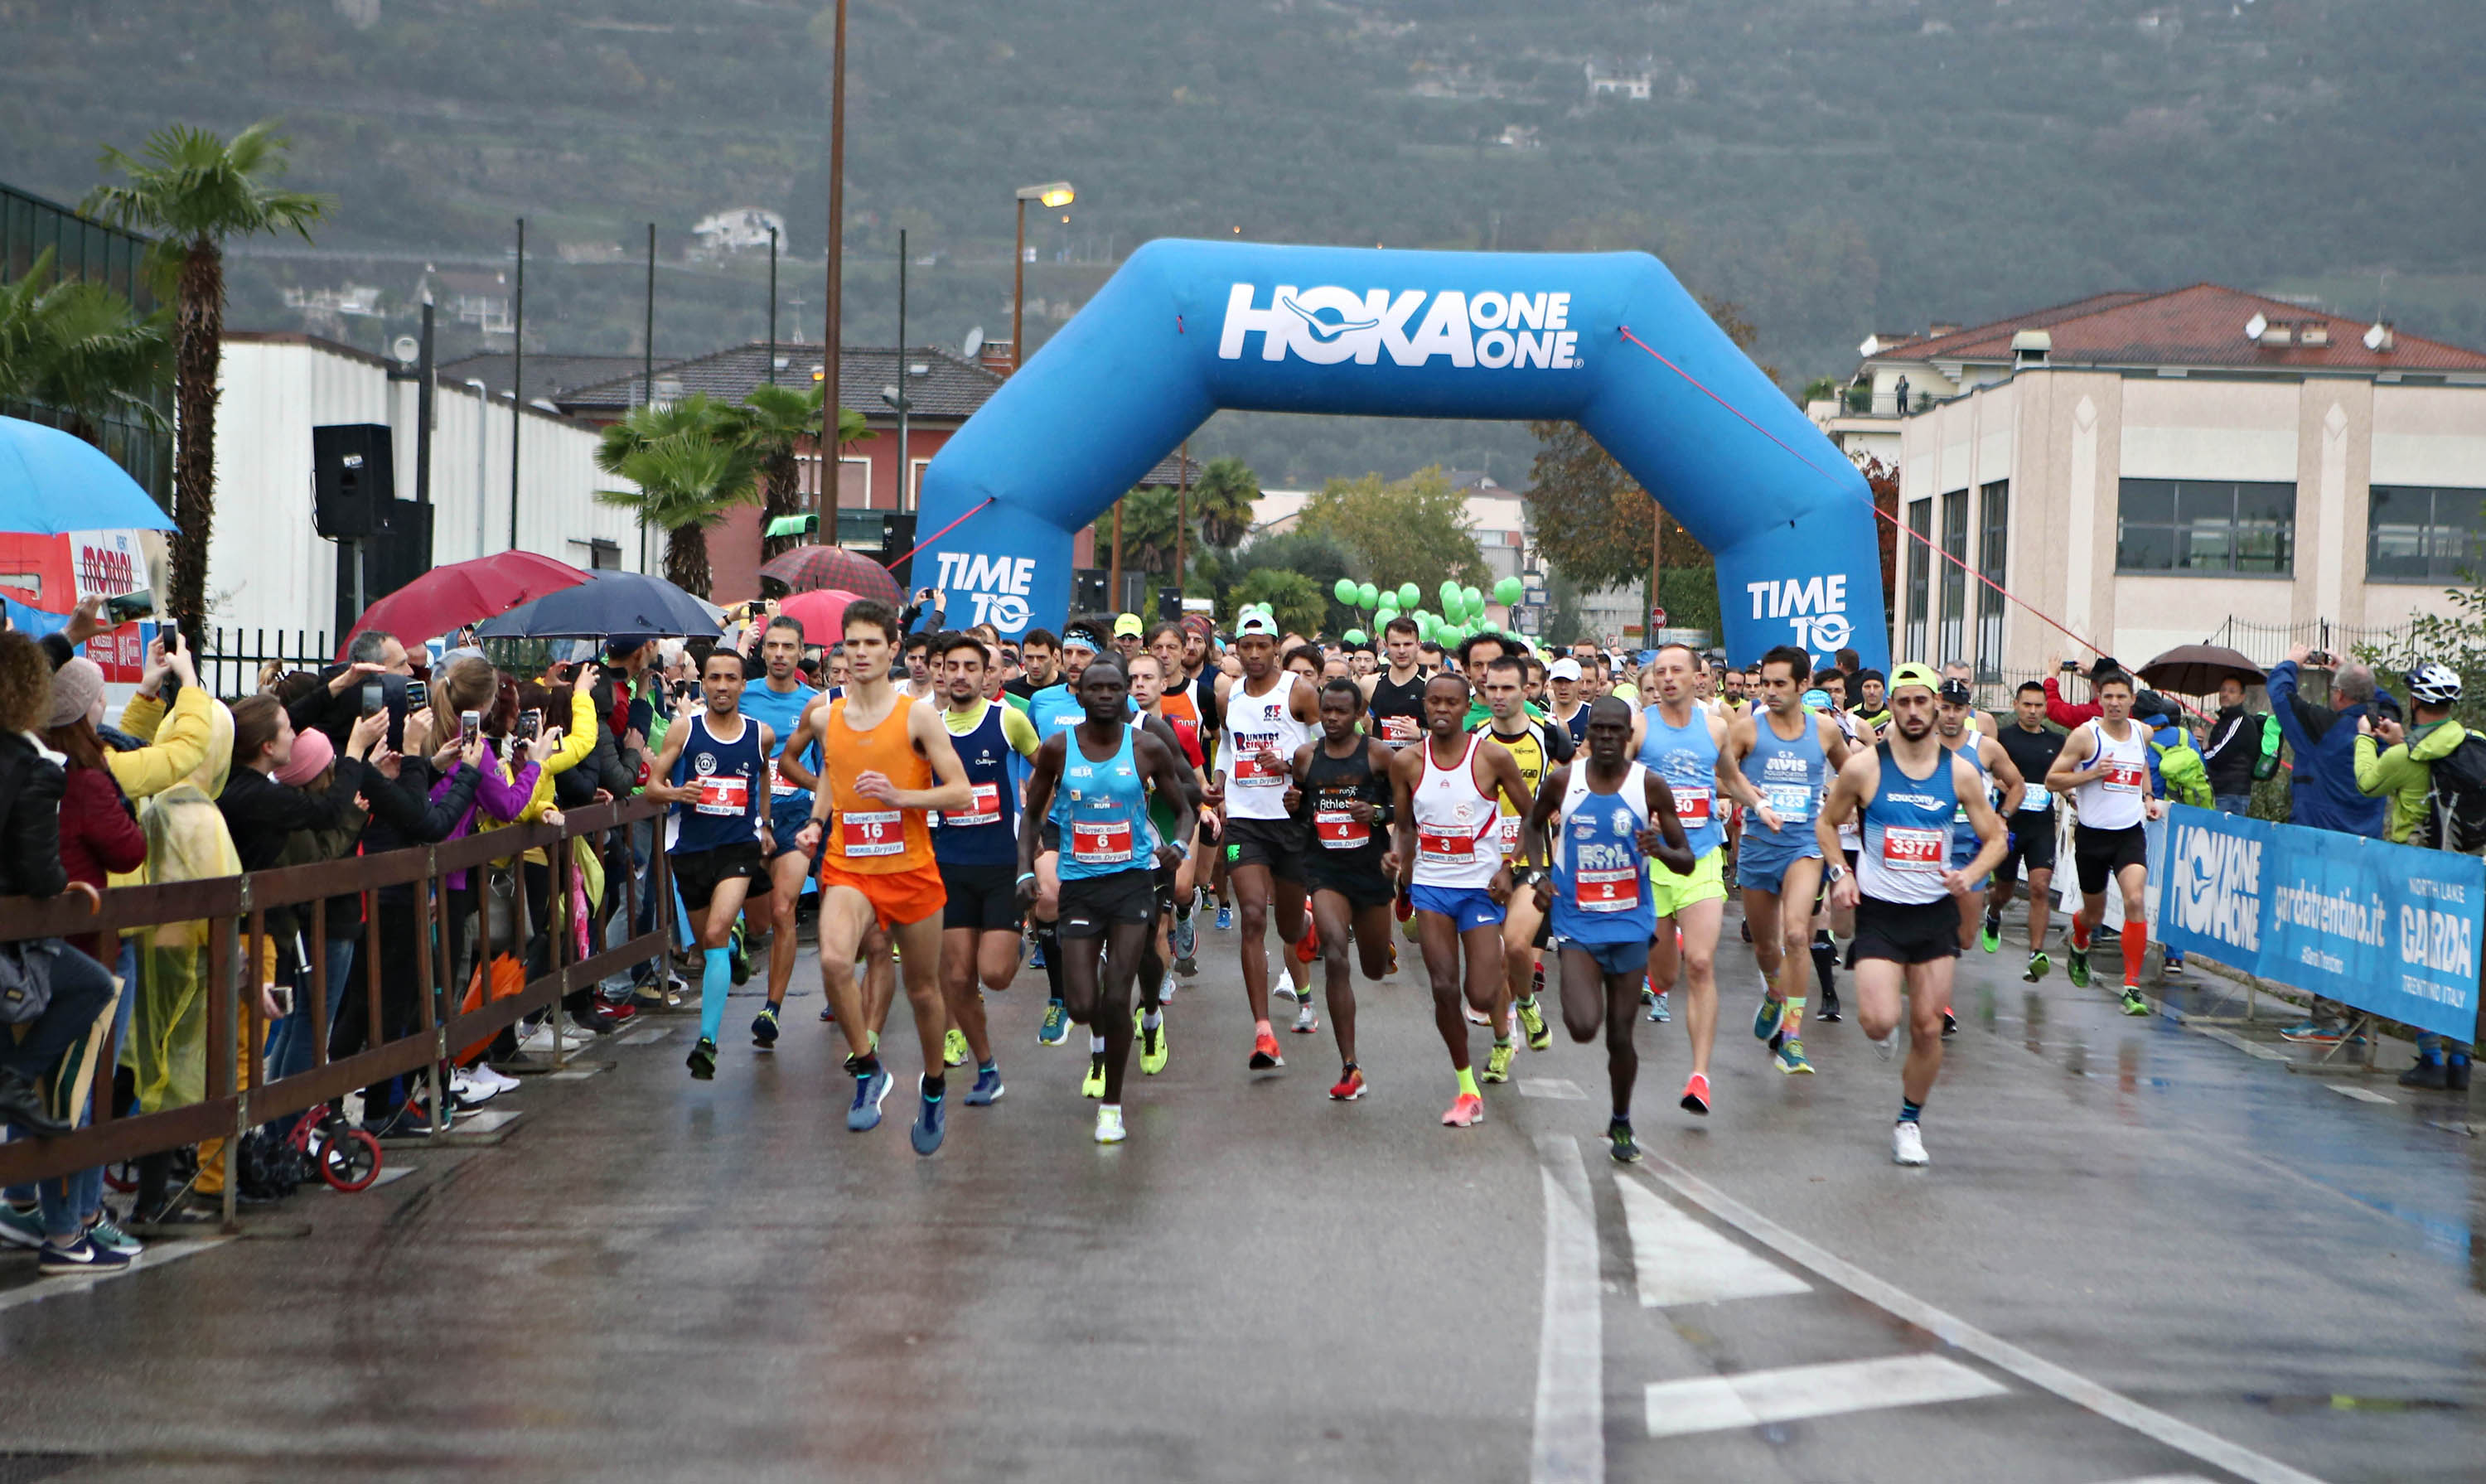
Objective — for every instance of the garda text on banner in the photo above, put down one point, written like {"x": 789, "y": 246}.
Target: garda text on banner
{"x": 2389, "y": 929}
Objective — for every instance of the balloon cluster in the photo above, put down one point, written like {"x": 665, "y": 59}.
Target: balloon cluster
{"x": 1461, "y": 614}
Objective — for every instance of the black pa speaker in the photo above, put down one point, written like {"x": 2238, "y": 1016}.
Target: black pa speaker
{"x": 1088, "y": 590}
{"x": 897, "y": 539}
{"x": 353, "y": 478}
{"x": 400, "y": 548}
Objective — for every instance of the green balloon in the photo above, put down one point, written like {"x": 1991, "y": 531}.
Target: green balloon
{"x": 1426, "y": 625}
{"x": 1367, "y": 595}
{"x": 1355, "y": 636}
{"x": 1450, "y": 595}
{"x": 1345, "y": 590}
{"x": 1381, "y": 619}
{"x": 1475, "y": 595}
{"x": 1508, "y": 590}
{"x": 1459, "y": 609}
{"x": 1409, "y": 595}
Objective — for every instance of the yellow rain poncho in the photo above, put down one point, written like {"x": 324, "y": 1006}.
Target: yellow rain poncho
{"x": 186, "y": 841}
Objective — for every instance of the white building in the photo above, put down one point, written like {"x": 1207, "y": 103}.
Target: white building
{"x": 268, "y": 568}
{"x": 1497, "y": 517}
{"x": 744, "y": 229}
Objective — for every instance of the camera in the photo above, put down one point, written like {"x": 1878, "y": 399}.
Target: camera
{"x": 470, "y": 726}
{"x": 374, "y": 697}
{"x": 129, "y": 605}
{"x": 530, "y": 726}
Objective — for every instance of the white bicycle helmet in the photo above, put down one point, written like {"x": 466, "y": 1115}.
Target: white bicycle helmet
{"x": 2433, "y": 685}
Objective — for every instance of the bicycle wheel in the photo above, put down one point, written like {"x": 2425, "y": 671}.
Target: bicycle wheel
{"x": 350, "y": 1160}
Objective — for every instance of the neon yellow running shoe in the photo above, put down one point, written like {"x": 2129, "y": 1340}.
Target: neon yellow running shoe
{"x": 1790, "y": 1058}
{"x": 1152, "y": 1043}
{"x": 1497, "y": 1062}
{"x": 1532, "y": 1019}
{"x": 1093, "y": 1085}
{"x": 954, "y": 1048}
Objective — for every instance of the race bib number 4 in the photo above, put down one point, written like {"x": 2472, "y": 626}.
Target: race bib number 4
{"x": 870, "y": 832}
{"x": 987, "y": 809}
{"x": 1340, "y": 830}
{"x": 1100, "y": 841}
{"x": 724, "y": 793}
{"x": 1792, "y": 803}
{"x": 1692, "y": 804}
{"x": 1606, "y": 891}
{"x": 1249, "y": 772}
{"x": 1916, "y": 848}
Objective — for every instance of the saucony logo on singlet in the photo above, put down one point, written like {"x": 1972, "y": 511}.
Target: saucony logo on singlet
{"x": 1915, "y": 800}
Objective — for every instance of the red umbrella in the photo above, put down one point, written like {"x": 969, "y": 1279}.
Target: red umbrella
{"x": 821, "y": 612}
{"x": 446, "y": 598}
{"x": 809, "y": 568}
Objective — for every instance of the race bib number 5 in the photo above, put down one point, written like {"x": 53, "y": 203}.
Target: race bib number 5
{"x": 1916, "y": 848}
{"x": 1247, "y": 770}
{"x": 870, "y": 832}
{"x": 724, "y": 793}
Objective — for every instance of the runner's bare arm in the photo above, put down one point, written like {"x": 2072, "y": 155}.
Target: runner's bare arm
{"x": 2005, "y": 772}
{"x": 1405, "y": 770}
{"x": 2070, "y": 768}
{"x": 1378, "y": 758}
{"x": 1045, "y": 773}
{"x": 949, "y": 786}
{"x": 1540, "y": 813}
{"x": 1855, "y": 784}
{"x": 762, "y": 798}
{"x": 1163, "y": 768}
{"x": 1982, "y": 818}
{"x": 1303, "y": 703}
{"x": 661, "y": 769}
{"x": 1671, "y": 847}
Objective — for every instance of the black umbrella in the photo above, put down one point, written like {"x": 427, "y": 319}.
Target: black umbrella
{"x": 610, "y": 603}
{"x": 2195, "y": 670}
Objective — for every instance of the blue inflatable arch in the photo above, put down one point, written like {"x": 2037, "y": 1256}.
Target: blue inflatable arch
{"x": 1186, "y": 328}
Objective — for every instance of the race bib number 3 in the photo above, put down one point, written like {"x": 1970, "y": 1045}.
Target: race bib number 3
{"x": 1100, "y": 841}
{"x": 870, "y": 832}
{"x": 987, "y": 809}
{"x": 1445, "y": 849}
{"x": 1606, "y": 891}
{"x": 1916, "y": 848}
{"x": 1692, "y": 804}
{"x": 724, "y": 793}
{"x": 1340, "y": 830}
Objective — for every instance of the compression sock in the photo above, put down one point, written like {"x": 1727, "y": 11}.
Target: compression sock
{"x": 716, "y": 970}
{"x": 1791, "y": 1019}
{"x": 1467, "y": 1083}
{"x": 865, "y": 1065}
{"x": 1049, "y": 942}
{"x": 935, "y": 1086}
{"x": 1908, "y": 1110}
{"x": 2136, "y": 945}
{"x": 2080, "y": 932}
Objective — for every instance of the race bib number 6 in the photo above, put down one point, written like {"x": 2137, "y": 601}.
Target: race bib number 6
{"x": 1100, "y": 841}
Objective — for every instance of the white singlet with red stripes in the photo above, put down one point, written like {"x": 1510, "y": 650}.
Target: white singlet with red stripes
{"x": 1458, "y": 835}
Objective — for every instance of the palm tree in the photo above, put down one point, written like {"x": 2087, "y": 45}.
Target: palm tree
{"x": 1222, "y": 501}
{"x": 691, "y": 466}
{"x": 1147, "y": 530}
{"x": 79, "y": 349}
{"x": 195, "y": 190}
{"x": 772, "y": 422}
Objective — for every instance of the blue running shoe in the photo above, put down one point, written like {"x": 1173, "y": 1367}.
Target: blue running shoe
{"x": 1767, "y": 1019}
{"x": 1056, "y": 1028}
{"x": 988, "y": 1090}
{"x": 1186, "y": 936}
{"x": 1225, "y": 919}
{"x": 931, "y": 1122}
{"x": 870, "y": 1094}
{"x": 1035, "y": 955}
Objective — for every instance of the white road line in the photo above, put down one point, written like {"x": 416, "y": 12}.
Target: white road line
{"x": 1681, "y": 1261}
{"x": 2360, "y": 1095}
{"x": 648, "y": 1037}
{"x": 157, "y": 1255}
{"x": 1561, "y": 1087}
{"x": 1706, "y": 1404}
{"x": 2167, "y": 1478}
{"x": 1569, "y": 1446}
{"x": 2181, "y": 1435}
{"x": 483, "y": 1122}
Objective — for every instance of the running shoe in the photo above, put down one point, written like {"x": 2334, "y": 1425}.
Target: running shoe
{"x": 1187, "y": 967}
{"x": 104, "y": 1233}
{"x": 1109, "y": 1125}
{"x": 1888, "y": 1046}
{"x": 1619, "y": 1143}
{"x": 2038, "y": 965}
{"x": 1092, "y": 1085}
{"x": 2133, "y": 1003}
{"x": 763, "y": 1028}
{"x": 953, "y": 1047}
{"x": 1186, "y": 937}
{"x": 1476, "y": 1017}
{"x": 1658, "y": 1010}
{"x": 1907, "y": 1145}
{"x": 2311, "y": 1033}
{"x": 988, "y": 1090}
{"x": 1035, "y": 955}
{"x": 1790, "y": 1059}
{"x": 1307, "y": 946}
{"x": 1951, "y": 1023}
{"x": 1224, "y": 917}
{"x": 22, "y": 1228}
{"x": 2432, "y": 1076}
{"x": 1991, "y": 937}
{"x": 1536, "y": 980}
{"x": 79, "y": 1258}
{"x": 2173, "y": 966}
{"x": 1152, "y": 1043}
{"x": 1767, "y": 1019}
{"x": 1264, "y": 1053}
{"x": 1056, "y": 1028}
{"x": 703, "y": 1061}
{"x": 1827, "y": 1009}
{"x": 1696, "y": 1094}
{"x": 2076, "y": 964}
{"x": 1532, "y": 1019}
{"x": 829, "y": 1015}
{"x": 931, "y": 1122}
{"x": 1349, "y": 1086}
{"x": 1466, "y": 1110}
{"x": 1497, "y": 1062}
{"x": 870, "y": 1091}
{"x": 1307, "y": 1022}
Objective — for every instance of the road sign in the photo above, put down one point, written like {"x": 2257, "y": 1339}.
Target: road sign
{"x": 1657, "y": 617}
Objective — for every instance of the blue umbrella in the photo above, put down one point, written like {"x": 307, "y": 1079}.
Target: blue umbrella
{"x": 52, "y": 483}
{"x": 609, "y": 603}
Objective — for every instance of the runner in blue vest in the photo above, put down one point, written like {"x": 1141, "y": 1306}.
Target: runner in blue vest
{"x": 1052, "y": 710}
{"x": 778, "y": 702}
{"x": 976, "y": 849}
{"x": 1789, "y": 754}
{"x": 1607, "y": 816}
{"x": 1904, "y": 891}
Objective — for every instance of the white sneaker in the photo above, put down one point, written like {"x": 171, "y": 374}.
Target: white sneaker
{"x": 1476, "y": 1017}
{"x": 469, "y": 1090}
{"x": 1907, "y": 1145}
{"x": 1287, "y": 984}
{"x": 1888, "y": 1045}
{"x": 1108, "y": 1126}
{"x": 484, "y": 1074}
{"x": 1306, "y": 1022}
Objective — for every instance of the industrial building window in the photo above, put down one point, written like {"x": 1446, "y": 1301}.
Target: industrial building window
{"x": 2414, "y": 534}
{"x": 2236, "y": 526}
{"x": 1955, "y": 577}
{"x": 1921, "y": 520}
{"x": 1993, "y": 518}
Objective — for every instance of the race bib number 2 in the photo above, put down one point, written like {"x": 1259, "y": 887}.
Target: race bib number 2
{"x": 1607, "y": 890}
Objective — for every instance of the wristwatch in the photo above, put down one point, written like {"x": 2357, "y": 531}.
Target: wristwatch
{"x": 1833, "y": 874}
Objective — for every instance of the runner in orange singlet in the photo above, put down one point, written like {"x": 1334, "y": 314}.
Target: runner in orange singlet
{"x": 887, "y": 762}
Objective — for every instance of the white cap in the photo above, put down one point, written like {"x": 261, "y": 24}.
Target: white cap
{"x": 1254, "y": 624}
{"x": 1563, "y": 669}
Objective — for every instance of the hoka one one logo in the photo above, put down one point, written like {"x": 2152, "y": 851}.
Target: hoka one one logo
{"x": 1328, "y": 325}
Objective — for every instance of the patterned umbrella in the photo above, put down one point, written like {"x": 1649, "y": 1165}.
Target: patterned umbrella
{"x": 809, "y": 568}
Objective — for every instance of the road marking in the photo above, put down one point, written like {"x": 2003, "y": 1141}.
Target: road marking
{"x": 1705, "y": 1404}
{"x": 157, "y": 1255}
{"x": 1681, "y": 1261}
{"x": 1552, "y": 1087}
{"x": 2183, "y": 1437}
{"x": 1569, "y": 1446}
{"x": 648, "y": 1037}
{"x": 2248, "y": 1048}
{"x": 2167, "y": 1478}
{"x": 483, "y": 1122}
{"x": 2360, "y": 1095}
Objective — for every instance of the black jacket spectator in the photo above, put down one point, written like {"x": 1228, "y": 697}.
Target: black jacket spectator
{"x": 262, "y": 812}
{"x": 30, "y": 830}
{"x": 2233, "y": 747}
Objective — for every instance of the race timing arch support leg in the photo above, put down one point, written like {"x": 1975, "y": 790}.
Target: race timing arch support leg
{"x": 1608, "y": 340}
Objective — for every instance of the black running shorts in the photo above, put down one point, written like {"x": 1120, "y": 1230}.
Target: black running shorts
{"x": 1090, "y": 904}
{"x": 2102, "y": 854}
{"x": 1907, "y": 932}
{"x": 983, "y": 897}
{"x": 1279, "y": 844}
{"x": 697, "y": 873}
{"x": 2032, "y": 844}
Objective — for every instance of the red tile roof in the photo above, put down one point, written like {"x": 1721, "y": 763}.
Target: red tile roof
{"x": 2203, "y": 325}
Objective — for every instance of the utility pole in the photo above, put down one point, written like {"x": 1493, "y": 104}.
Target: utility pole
{"x": 1656, "y": 560}
{"x": 648, "y": 369}
{"x": 905, "y": 397}
{"x": 517, "y": 381}
{"x": 836, "y": 257}
{"x": 1182, "y": 510}
{"x": 771, "y": 369}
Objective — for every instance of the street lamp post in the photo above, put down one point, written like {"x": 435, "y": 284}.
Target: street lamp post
{"x": 1056, "y": 194}
{"x": 832, "y": 332}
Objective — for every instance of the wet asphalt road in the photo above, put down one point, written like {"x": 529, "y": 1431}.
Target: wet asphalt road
{"x": 2139, "y": 1253}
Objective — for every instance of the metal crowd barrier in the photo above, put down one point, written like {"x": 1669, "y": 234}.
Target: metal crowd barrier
{"x": 236, "y": 908}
